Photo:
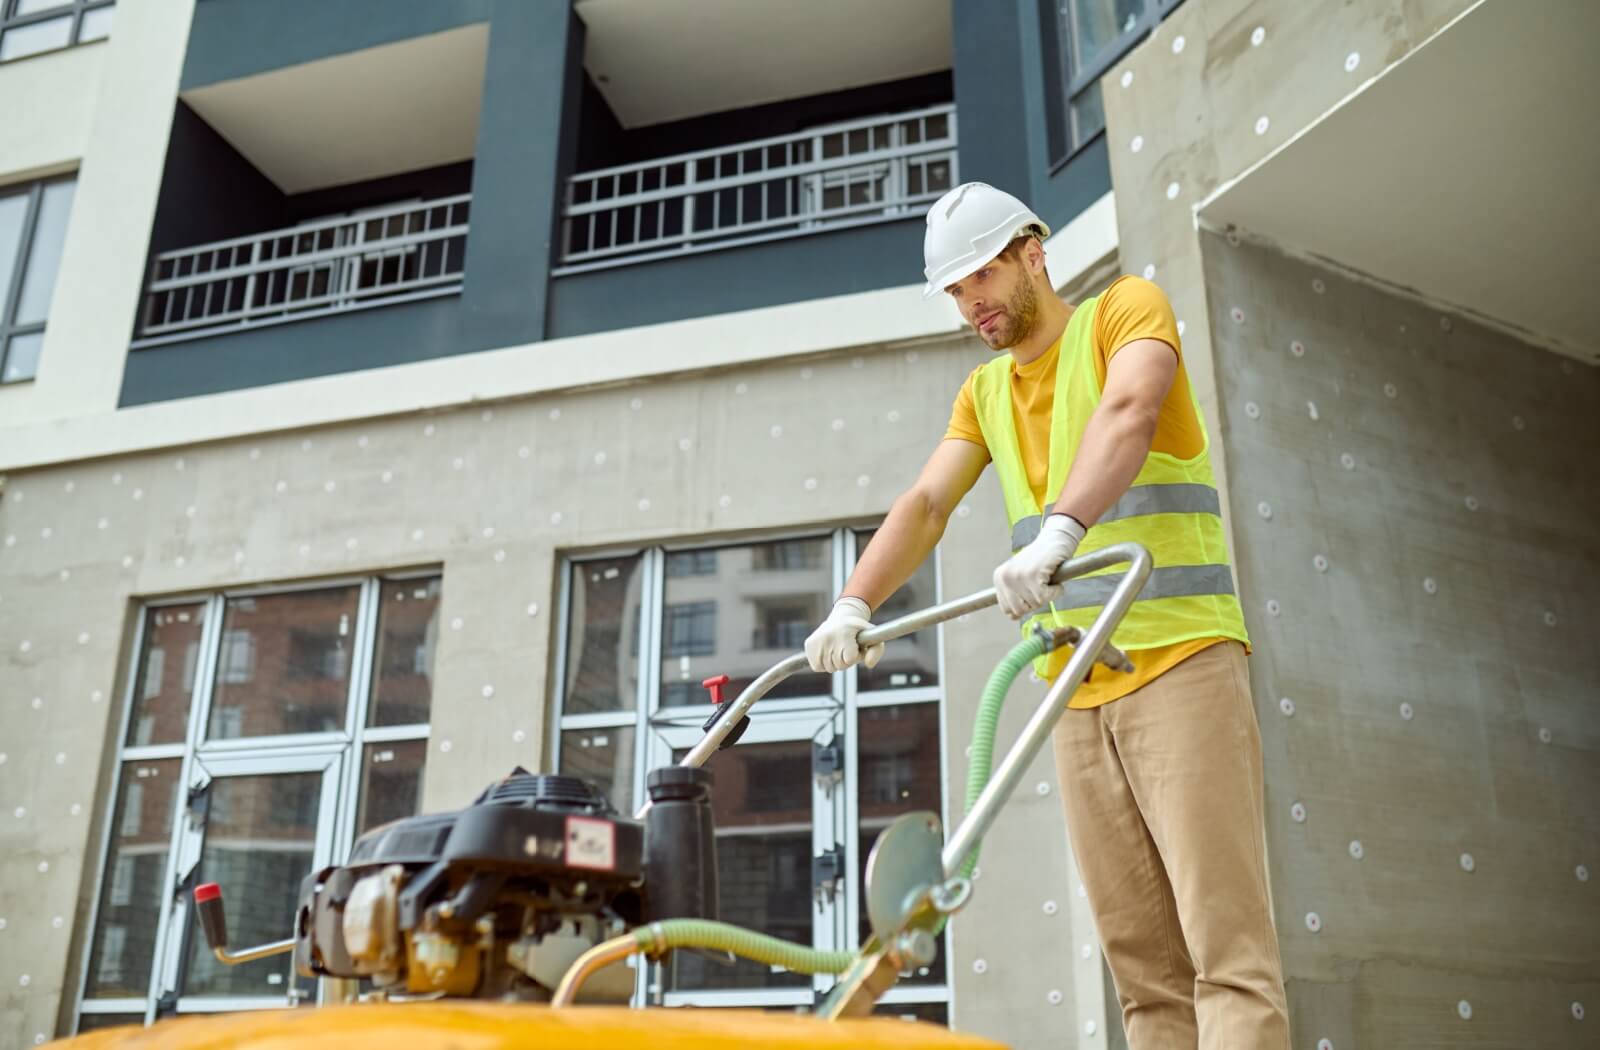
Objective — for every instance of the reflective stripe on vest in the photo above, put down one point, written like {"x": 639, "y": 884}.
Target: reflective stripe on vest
{"x": 1177, "y": 498}
{"x": 1173, "y": 581}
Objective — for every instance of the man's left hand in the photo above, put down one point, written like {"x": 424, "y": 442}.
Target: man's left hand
{"x": 1023, "y": 582}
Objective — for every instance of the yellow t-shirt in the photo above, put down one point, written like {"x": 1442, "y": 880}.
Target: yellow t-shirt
{"x": 1132, "y": 308}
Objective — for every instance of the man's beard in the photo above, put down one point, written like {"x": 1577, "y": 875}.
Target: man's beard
{"x": 1021, "y": 314}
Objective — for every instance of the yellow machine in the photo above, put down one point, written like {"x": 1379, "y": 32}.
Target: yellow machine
{"x": 482, "y": 928}
{"x": 462, "y": 1025}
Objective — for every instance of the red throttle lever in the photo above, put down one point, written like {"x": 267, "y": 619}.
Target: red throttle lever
{"x": 214, "y": 923}
{"x": 714, "y": 687}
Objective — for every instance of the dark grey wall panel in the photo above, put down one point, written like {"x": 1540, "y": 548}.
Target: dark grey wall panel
{"x": 389, "y": 335}
{"x": 991, "y": 93}
{"x": 1062, "y": 196}
{"x": 526, "y": 146}
{"x": 237, "y": 38}
{"x": 786, "y": 271}
{"x": 446, "y": 180}
{"x": 1005, "y": 108}
{"x": 209, "y": 192}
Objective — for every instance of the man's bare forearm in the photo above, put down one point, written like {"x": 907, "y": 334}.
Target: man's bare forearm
{"x": 1115, "y": 444}
{"x": 904, "y": 540}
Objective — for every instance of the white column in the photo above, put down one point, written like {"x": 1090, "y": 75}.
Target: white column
{"x": 103, "y": 259}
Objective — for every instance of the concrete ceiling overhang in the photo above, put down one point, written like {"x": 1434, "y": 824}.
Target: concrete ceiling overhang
{"x": 656, "y": 62}
{"x": 1468, "y": 173}
{"x": 356, "y": 116}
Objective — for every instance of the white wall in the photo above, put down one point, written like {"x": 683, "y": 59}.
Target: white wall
{"x": 102, "y": 262}
{"x": 49, "y": 105}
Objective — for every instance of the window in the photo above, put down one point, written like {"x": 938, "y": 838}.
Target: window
{"x": 911, "y": 662}
{"x": 238, "y": 657}
{"x": 262, "y": 758}
{"x": 113, "y": 949}
{"x": 1082, "y": 39}
{"x": 303, "y": 685}
{"x": 32, "y": 26}
{"x": 122, "y": 882}
{"x": 408, "y": 633}
{"x": 691, "y": 563}
{"x": 783, "y": 623}
{"x": 602, "y": 648}
{"x": 737, "y": 609}
{"x": 33, "y": 227}
{"x": 691, "y": 629}
{"x": 786, "y": 555}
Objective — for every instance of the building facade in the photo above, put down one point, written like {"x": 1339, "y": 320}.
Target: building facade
{"x": 396, "y": 394}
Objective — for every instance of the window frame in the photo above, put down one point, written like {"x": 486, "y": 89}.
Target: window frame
{"x": 840, "y": 707}
{"x": 78, "y": 8}
{"x": 1066, "y": 89}
{"x": 11, "y": 295}
{"x": 340, "y": 753}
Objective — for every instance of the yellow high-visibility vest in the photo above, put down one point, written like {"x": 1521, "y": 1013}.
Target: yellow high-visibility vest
{"x": 1172, "y": 508}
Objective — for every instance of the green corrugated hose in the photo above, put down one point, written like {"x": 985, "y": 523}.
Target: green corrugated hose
{"x": 747, "y": 944}
{"x": 983, "y": 727}
{"x": 720, "y": 936}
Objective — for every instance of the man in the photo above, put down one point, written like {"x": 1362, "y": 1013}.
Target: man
{"x": 1097, "y": 439}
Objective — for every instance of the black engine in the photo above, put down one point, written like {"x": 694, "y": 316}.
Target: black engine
{"x": 497, "y": 900}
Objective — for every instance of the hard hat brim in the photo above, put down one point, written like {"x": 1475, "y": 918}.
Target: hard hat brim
{"x": 1034, "y": 229}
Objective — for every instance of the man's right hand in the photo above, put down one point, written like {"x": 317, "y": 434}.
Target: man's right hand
{"x": 833, "y": 647}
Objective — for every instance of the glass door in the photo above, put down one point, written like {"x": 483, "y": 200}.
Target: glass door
{"x": 257, "y": 827}
{"x": 779, "y": 805}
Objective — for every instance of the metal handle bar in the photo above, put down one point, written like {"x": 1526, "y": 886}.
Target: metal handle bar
{"x": 260, "y": 951}
{"x": 1094, "y": 642}
{"x": 1004, "y": 779}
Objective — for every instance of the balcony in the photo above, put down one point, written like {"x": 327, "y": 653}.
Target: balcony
{"x": 825, "y": 178}
{"x": 375, "y": 257}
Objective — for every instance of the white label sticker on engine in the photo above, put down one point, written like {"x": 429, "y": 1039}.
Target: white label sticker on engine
{"x": 591, "y": 844}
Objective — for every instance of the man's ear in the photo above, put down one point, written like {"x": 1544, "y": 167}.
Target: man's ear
{"x": 1033, "y": 251}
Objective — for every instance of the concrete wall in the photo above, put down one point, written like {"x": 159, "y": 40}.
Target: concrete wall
{"x": 1475, "y": 616}
{"x": 1421, "y": 575}
{"x": 1184, "y": 108}
{"x": 465, "y": 489}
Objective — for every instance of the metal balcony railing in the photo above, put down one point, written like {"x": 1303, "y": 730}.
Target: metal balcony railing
{"x": 376, "y": 257}
{"x": 829, "y": 177}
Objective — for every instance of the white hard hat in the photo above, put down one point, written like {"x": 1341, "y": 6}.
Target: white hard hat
{"x": 969, "y": 226}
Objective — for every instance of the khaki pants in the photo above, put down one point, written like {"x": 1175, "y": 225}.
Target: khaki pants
{"x": 1164, "y": 807}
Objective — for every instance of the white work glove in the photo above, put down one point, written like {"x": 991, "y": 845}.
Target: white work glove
{"x": 1023, "y": 582}
{"x": 832, "y": 646}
